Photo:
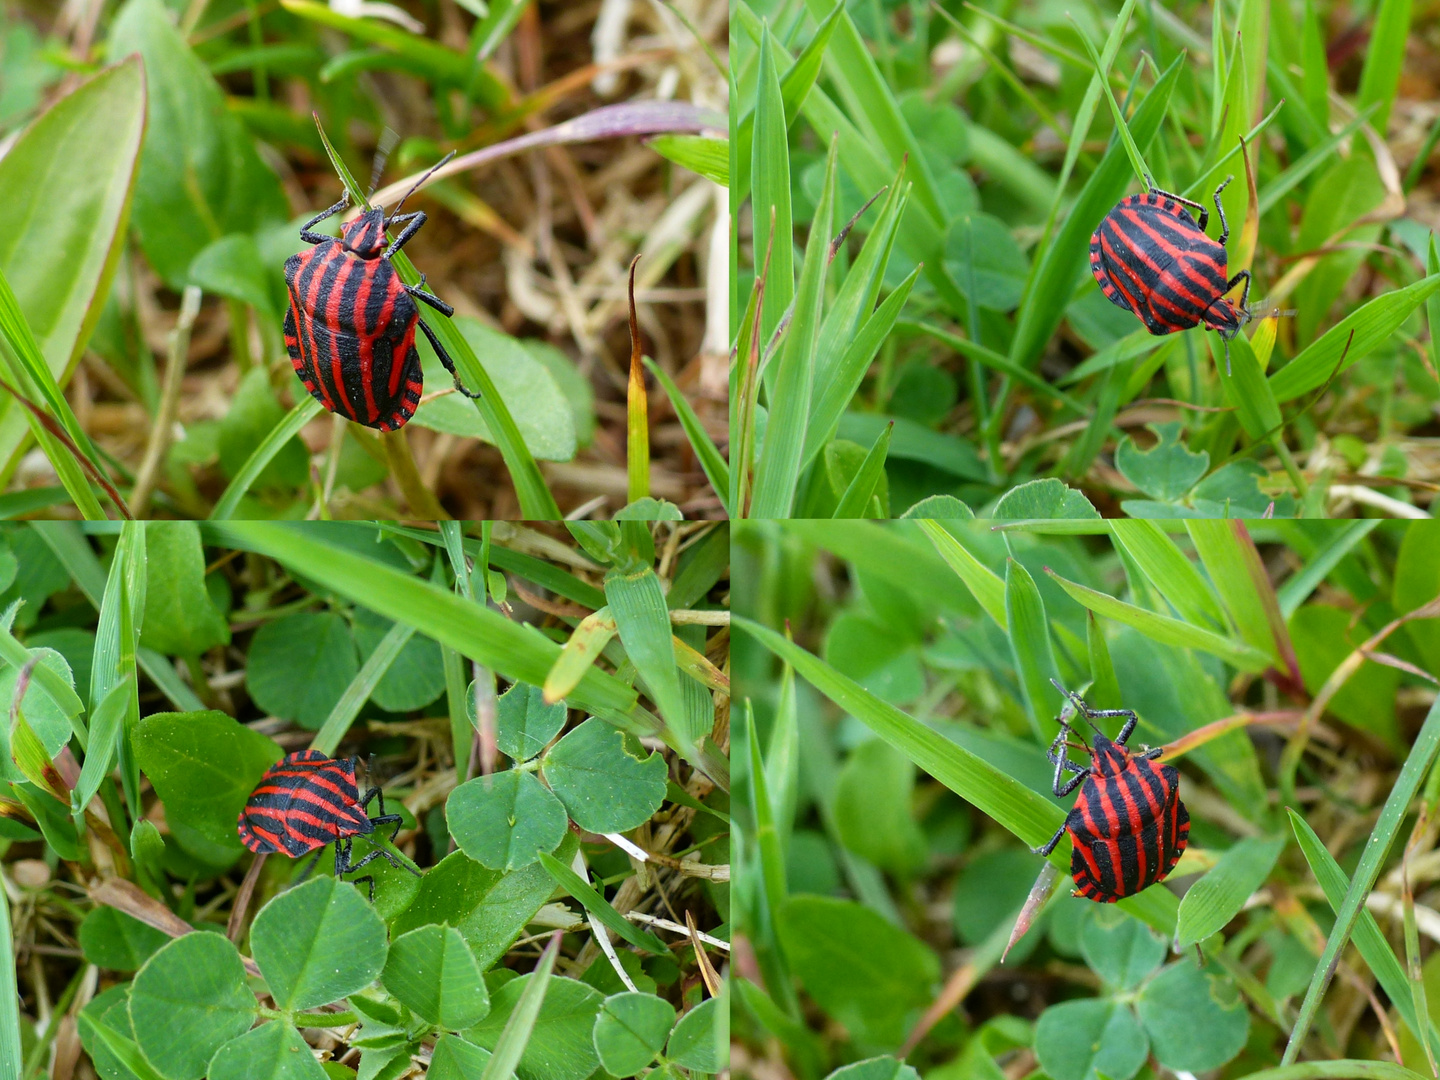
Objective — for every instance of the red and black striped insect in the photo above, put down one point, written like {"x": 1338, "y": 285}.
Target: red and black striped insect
{"x": 306, "y": 801}
{"x": 1152, "y": 258}
{"x": 350, "y": 327}
{"x": 1129, "y": 827}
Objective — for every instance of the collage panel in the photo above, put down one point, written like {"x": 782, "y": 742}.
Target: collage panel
{"x": 1127, "y": 803}
{"x": 355, "y": 260}
{"x": 1120, "y": 260}
{"x": 343, "y": 799}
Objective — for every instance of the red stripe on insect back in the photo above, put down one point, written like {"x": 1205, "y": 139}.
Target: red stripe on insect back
{"x": 318, "y": 266}
{"x": 366, "y": 336}
{"x": 1143, "y": 288}
{"x": 334, "y": 779}
{"x": 394, "y": 289}
{"x": 1138, "y": 220}
{"x": 332, "y": 321}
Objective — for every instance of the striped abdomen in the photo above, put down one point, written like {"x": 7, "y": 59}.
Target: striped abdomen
{"x": 1150, "y": 257}
{"x": 1129, "y": 829}
{"x": 304, "y": 801}
{"x": 350, "y": 332}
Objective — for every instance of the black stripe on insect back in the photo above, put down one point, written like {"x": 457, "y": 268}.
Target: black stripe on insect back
{"x": 327, "y": 352}
{"x": 1164, "y": 244}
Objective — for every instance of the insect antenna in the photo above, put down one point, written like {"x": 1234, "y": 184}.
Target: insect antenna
{"x": 388, "y": 141}
{"x": 394, "y": 213}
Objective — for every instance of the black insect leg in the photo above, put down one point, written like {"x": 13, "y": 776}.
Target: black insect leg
{"x": 1245, "y": 294}
{"x": 1097, "y": 714}
{"x": 1049, "y": 845}
{"x": 1224, "y": 225}
{"x": 320, "y": 238}
{"x": 419, "y": 293}
{"x": 445, "y": 359}
{"x": 416, "y": 223}
{"x": 1204, "y": 214}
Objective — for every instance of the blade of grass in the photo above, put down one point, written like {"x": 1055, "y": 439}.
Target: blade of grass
{"x": 515, "y": 1036}
{"x": 1164, "y": 629}
{"x": 106, "y": 723}
{"x": 536, "y": 502}
{"x": 1397, "y": 804}
{"x": 1027, "y": 814}
{"x": 10, "y": 1055}
{"x": 1309, "y": 161}
{"x": 1167, "y": 568}
{"x": 1241, "y": 579}
{"x": 637, "y": 602}
{"x": 897, "y": 555}
{"x": 637, "y": 410}
{"x": 600, "y": 908}
{"x": 348, "y": 705}
{"x": 1373, "y": 323}
{"x": 115, "y": 641}
{"x": 777, "y": 476}
{"x": 1137, "y": 161}
{"x": 1369, "y": 939}
{"x": 1339, "y": 542}
{"x": 1034, "y": 659}
{"x": 1384, "y": 58}
{"x": 304, "y": 411}
{"x": 717, "y": 470}
{"x": 770, "y": 187}
{"x": 856, "y": 500}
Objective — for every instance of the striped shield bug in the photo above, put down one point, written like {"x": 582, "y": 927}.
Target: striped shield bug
{"x": 1152, "y": 258}
{"x": 350, "y": 326}
{"x": 1128, "y": 826}
{"x": 306, "y": 801}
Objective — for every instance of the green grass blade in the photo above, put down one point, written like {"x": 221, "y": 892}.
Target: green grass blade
{"x": 106, "y": 724}
{"x": 838, "y": 383}
{"x": 1368, "y": 937}
{"x": 10, "y": 1055}
{"x": 777, "y": 476}
{"x": 349, "y": 704}
{"x": 1171, "y": 572}
{"x": 515, "y": 1036}
{"x": 861, "y": 489}
{"x": 717, "y": 470}
{"x": 1164, "y": 629}
{"x": 303, "y": 412}
{"x": 1030, "y": 649}
{"x": 1384, "y": 58}
{"x": 1339, "y": 542}
{"x": 1210, "y": 904}
{"x": 637, "y": 603}
{"x": 1374, "y": 323}
{"x": 1392, "y": 815}
{"x": 600, "y": 908}
{"x": 1234, "y": 565}
{"x": 1137, "y": 161}
{"x": 770, "y": 188}
{"x": 1309, "y": 161}
{"x": 983, "y": 583}
{"x": 1026, "y": 813}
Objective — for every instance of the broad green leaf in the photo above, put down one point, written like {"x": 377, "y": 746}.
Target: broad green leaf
{"x": 432, "y": 971}
{"x": 273, "y": 1051}
{"x": 317, "y": 943}
{"x": 534, "y": 397}
{"x": 300, "y": 664}
{"x": 1121, "y": 950}
{"x": 111, "y": 939}
{"x": 504, "y": 820}
{"x": 180, "y": 618}
{"x": 1210, "y": 903}
{"x": 46, "y": 718}
{"x": 1166, "y": 630}
{"x": 864, "y": 972}
{"x": 871, "y": 809}
{"x": 560, "y": 1045}
{"x": 456, "y": 1059}
{"x": 701, "y": 1040}
{"x": 605, "y": 784}
{"x": 1047, "y": 498}
{"x": 490, "y": 908}
{"x": 188, "y": 1000}
{"x": 203, "y": 766}
{"x": 1168, "y": 470}
{"x": 67, "y": 224}
{"x": 200, "y": 177}
{"x": 630, "y": 1030}
{"x": 1183, "y": 1001}
{"x": 524, "y": 723}
{"x": 1089, "y": 1039}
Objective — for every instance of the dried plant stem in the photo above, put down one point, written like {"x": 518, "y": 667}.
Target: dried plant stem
{"x": 169, "y": 400}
